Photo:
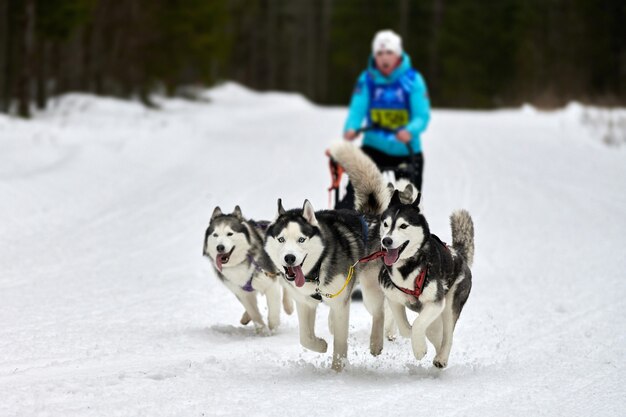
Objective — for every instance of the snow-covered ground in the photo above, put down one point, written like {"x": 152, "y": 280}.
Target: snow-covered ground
{"x": 108, "y": 308}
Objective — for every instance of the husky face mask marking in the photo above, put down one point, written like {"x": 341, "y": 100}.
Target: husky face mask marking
{"x": 403, "y": 229}
{"x": 227, "y": 240}
{"x": 294, "y": 242}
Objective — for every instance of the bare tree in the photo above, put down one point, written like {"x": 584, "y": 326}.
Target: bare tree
{"x": 4, "y": 56}
{"x": 27, "y": 57}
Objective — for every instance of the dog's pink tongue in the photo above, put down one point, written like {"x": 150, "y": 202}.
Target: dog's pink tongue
{"x": 299, "y": 280}
{"x": 391, "y": 256}
{"x": 218, "y": 260}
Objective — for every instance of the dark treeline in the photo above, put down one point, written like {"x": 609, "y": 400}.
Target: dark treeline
{"x": 472, "y": 53}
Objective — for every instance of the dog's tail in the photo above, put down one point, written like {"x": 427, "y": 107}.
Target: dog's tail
{"x": 463, "y": 234}
{"x": 370, "y": 191}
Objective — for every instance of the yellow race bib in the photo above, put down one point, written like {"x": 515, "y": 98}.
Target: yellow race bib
{"x": 391, "y": 119}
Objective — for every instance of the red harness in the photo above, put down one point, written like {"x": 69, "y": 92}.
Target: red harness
{"x": 419, "y": 284}
{"x": 419, "y": 280}
{"x": 336, "y": 172}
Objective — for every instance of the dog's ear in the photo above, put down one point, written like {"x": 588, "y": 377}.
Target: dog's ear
{"x": 237, "y": 213}
{"x": 416, "y": 203}
{"x": 309, "y": 213}
{"x": 407, "y": 194}
{"x": 390, "y": 188}
{"x": 281, "y": 210}
{"x": 216, "y": 212}
{"x": 395, "y": 199}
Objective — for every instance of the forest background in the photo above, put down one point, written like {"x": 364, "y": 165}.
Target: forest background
{"x": 472, "y": 53}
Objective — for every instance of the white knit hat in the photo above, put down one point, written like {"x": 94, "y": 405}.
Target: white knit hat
{"x": 387, "y": 40}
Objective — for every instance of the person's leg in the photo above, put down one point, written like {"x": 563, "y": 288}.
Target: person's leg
{"x": 412, "y": 170}
{"x": 348, "y": 200}
{"x": 382, "y": 160}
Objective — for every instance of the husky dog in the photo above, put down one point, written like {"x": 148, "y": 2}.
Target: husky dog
{"x": 425, "y": 275}
{"x": 316, "y": 250}
{"x": 235, "y": 247}
{"x": 351, "y": 159}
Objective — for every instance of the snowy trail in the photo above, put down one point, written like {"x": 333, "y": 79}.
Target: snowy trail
{"x": 107, "y": 307}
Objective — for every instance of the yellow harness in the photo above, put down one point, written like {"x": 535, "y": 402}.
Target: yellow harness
{"x": 367, "y": 258}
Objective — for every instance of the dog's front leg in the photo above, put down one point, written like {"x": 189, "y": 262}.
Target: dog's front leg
{"x": 390, "y": 323}
{"x": 448, "y": 321}
{"x": 430, "y": 311}
{"x": 273, "y": 305}
{"x": 374, "y": 301}
{"x": 287, "y": 302}
{"x": 340, "y": 322}
{"x": 399, "y": 314}
{"x": 249, "y": 302}
{"x": 306, "y": 321}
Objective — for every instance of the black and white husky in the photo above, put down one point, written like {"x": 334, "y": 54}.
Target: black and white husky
{"x": 425, "y": 275}
{"x": 315, "y": 250}
{"x": 420, "y": 272}
{"x": 235, "y": 247}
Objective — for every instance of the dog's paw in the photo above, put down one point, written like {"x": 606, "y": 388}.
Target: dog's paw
{"x": 245, "y": 318}
{"x": 376, "y": 348}
{"x": 440, "y": 362}
{"x": 339, "y": 363}
{"x": 261, "y": 329}
{"x": 419, "y": 350}
{"x": 273, "y": 324}
{"x": 317, "y": 344}
{"x": 391, "y": 337}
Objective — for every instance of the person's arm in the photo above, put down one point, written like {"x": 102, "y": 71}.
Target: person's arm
{"x": 358, "y": 105}
{"x": 420, "y": 107}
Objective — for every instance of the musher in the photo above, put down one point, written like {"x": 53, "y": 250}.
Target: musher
{"x": 391, "y": 97}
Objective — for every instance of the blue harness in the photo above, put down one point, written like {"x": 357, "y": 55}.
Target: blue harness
{"x": 365, "y": 230}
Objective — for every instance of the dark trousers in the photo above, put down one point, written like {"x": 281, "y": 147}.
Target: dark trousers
{"x": 409, "y": 167}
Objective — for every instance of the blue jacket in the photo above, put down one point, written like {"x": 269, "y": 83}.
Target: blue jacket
{"x": 401, "y": 100}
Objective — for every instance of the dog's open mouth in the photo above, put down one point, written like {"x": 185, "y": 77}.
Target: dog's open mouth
{"x": 294, "y": 273}
{"x": 392, "y": 255}
{"x": 223, "y": 258}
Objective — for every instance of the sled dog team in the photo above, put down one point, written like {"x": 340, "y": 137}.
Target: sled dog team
{"x": 318, "y": 256}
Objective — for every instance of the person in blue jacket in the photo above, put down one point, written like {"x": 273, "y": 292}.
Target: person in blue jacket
{"x": 390, "y": 105}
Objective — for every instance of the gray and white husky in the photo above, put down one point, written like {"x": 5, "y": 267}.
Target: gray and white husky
{"x": 425, "y": 275}
{"x": 315, "y": 250}
{"x": 235, "y": 247}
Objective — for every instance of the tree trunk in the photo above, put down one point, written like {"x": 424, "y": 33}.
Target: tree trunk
{"x": 404, "y": 19}
{"x": 310, "y": 12}
{"x": 272, "y": 54}
{"x": 324, "y": 50}
{"x": 42, "y": 81}
{"x": 434, "y": 45}
{"x": 86, "y": 76}
{"x": 5, "y": 96}
{"x": 27, "y": 55}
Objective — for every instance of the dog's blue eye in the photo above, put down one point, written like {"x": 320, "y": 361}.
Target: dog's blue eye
{"x": 229, "y": 234}
{"x": 404, "y": 226}
{"x": 301, "y": 240}
{"x": 281, "y": 239}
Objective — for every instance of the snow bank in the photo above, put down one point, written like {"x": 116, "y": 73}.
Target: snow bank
{"x": 107, "y": 307}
